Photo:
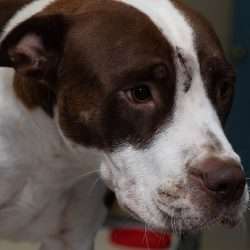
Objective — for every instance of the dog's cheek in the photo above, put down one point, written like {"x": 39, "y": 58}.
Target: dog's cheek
{"x": 79, "y": 117}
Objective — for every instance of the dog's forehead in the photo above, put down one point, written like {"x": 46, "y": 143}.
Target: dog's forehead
{"x": 168, "y": 18}
{"x": 118, "y": 28}
{"x": 114, "y": 39}
{"x": 182, "y": 26}
{"x": 127, "y": 29}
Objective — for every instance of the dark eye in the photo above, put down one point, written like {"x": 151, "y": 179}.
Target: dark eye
{"x": 141, "y": 94}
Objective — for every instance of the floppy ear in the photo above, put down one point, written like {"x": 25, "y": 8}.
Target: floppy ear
{"x": 34, "y": 48}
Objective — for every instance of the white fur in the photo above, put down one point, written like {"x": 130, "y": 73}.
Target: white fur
{"x": 44, "y": 186}
{"x": 25, "y": 13}
{"x": 38, "y": 172}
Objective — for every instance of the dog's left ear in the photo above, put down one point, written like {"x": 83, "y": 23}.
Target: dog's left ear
{"x": 34, "y": 48}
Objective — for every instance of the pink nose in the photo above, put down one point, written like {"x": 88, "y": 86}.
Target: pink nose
{"x": 224, "y": 179}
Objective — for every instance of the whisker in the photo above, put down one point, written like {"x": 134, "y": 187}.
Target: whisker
{"x": 181, "y": 214}
{"x": 160, "y": 237}
{"x": 144, "y": 236}
{"x": 175, "y": 225}
{"x": 85, "y": 175}
{"x": 88, "y": 174}
{"x": 147, "y": 242}
{"x": 172, "y": 223}
{"x": 210, "y": 223}
{"x": 178, "y": 227}
{"x": 92, "y": 188}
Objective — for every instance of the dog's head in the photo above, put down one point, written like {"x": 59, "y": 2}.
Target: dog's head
{"x": 147, "y": 84}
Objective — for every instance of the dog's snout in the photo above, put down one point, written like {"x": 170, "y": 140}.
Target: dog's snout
{"x": 224, "y": 179}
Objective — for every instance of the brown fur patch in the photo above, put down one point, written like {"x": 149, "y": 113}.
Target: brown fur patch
{"x": 117, "y": 49}
{"x": 66, "y": 7}
{"x": 34, "y": 94}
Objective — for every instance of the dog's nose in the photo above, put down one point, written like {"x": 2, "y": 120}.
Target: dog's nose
{"x": 224, "y": 179}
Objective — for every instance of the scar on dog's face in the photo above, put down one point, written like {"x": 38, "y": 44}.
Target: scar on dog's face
{"x": 153, "y": 108}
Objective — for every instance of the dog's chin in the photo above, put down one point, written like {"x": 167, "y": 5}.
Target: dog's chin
{"x": 182, "y": 220}
{"x": 186, "y": 224}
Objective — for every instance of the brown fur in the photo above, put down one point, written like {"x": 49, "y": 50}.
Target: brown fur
{"x": 34, "y": 95}
{"x": 129, "y": 53}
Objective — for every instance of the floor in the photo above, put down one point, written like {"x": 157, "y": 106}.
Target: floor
{"x": 216, "y": 238}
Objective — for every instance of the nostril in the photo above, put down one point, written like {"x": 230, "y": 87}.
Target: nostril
{"x": 219, "y": 184}
{"x": 225, "y": 179}
{"x": 223, "y": 188}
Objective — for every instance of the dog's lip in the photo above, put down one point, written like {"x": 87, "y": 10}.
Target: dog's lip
{"x": 163, "y": 215}
{"x": 229, "y": 221}
{"x": 150, "y": 212}
{"x": 222, "y": 218}
{"x": 159, "y": 204}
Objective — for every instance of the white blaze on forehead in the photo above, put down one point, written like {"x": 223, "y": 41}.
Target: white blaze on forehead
{"x": 25, "y": 13}
{"x": 169, "y": 20}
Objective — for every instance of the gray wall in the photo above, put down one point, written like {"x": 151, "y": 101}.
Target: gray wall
{"x": 220, "y": 13}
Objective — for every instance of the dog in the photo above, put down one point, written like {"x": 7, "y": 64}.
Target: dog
{"x": 135, "y": 92}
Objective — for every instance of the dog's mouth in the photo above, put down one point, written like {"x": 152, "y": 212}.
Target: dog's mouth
{"x": 182, "y": 218}
{"x": 178, "y": 206}
{"x": 182, "y": 223}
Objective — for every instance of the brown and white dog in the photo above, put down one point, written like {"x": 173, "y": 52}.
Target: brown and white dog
{"x": 137, "y": 90}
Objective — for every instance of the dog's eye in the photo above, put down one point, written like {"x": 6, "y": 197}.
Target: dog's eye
{"x": 141, "y": 94}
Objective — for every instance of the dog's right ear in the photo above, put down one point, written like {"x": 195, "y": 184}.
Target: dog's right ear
{"x": 34, "y": 48}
